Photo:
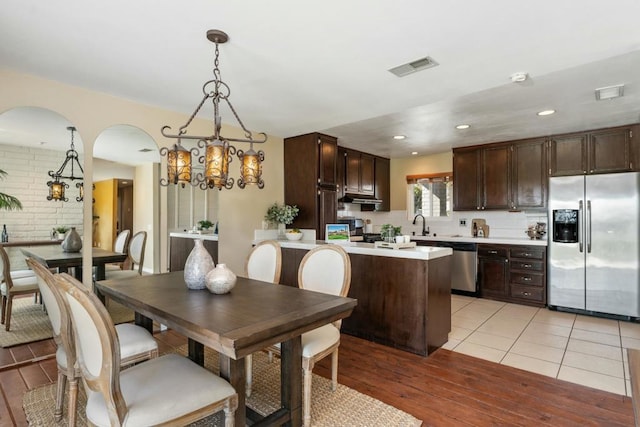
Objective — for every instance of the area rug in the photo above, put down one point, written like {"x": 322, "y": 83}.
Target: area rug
{"x": 344, "y": 407}
{"x": 29, "y": 321}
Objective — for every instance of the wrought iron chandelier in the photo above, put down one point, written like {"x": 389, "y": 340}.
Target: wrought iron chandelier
{"x": 57, "y": 186}
{"x": 217, "y": 149}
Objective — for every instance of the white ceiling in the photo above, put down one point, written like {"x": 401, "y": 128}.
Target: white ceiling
{"x": 296, "y": 67}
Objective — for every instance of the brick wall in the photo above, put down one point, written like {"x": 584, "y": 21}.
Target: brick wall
{"x": 27, "y": 180}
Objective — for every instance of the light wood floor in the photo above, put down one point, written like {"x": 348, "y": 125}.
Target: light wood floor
{"x": 445, "y": 389}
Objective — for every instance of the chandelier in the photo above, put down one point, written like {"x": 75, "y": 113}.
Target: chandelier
{"x": 57, "y": 186}
{"x": 217, "y": 150}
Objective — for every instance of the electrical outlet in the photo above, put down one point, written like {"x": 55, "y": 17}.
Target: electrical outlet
{"x": 463, "y": 223}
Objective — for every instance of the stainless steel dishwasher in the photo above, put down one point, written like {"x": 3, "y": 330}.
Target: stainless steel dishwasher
{"x": 464, "y": 266}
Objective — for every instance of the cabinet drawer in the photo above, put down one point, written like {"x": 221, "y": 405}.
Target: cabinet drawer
{"x": 527, "y": 265}
{"x": 527, "y": 253}
{"x": 526, "y": 279}
{"x": 531, "y": 293}
{"x": 492, "y": 252}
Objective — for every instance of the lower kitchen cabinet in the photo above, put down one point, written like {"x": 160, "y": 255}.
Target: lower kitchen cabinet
{"x": 181, "y": 247}
{"x": 513, "y": 273}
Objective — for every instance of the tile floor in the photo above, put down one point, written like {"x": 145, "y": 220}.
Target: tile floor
{"x": 586, "y": 350}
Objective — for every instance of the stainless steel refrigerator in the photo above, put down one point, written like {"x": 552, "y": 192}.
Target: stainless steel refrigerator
{"x": 594, "y": 245}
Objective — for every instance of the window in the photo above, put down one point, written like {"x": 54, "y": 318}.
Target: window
{"x": 430, "y": 195}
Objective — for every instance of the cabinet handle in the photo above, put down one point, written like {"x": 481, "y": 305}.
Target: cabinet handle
{"x": 493, "y": 252}
{"x": 526, "y": 294}
{"x": 526, "y": 279}
{"x": 526, "y": 254}
{"x": 527, "y": 265}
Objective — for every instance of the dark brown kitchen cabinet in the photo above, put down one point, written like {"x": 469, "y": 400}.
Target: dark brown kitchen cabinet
{"x": 513, "y": 273}
{"x": 359, "y": 172}
{"x": 529, "y": 174}
{"x": 383, "y": 184}
{"x": 493, "y": 271}
{"x": 181, "y": 247}
{"x": 600, "y": 151}
{"x": 635, "y": 148}
{"x": 340, "y": 169}
{"x": 310, "y": 179}
{"x": 495, "y": 182}
{"x": 466, "y": 178}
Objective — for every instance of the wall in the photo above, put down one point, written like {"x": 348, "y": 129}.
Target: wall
{"x": 240, "y": 211}
{"x": 104, "y": 207}
{"x": 27, "y": 180}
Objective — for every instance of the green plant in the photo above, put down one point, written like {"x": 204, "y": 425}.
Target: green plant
{"x": 281, "y": 214}
{"x": 205, "y": 224}
{"x": 8, "y": 202}
{"x": 61, "y": 229}
{"x": 388, "y": 231}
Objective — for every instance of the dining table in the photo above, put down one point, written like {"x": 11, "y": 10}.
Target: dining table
{"x": 54, "y": 257}
{"x": 249, "y": 318}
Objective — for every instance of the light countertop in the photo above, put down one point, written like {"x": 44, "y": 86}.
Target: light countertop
{"x": 419, "y": 252}
{"x": 486, "y": 240}
{"x": 187, "y": 235}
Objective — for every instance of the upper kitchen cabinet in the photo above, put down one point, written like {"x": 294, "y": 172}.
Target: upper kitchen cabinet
{"x": 529, "y": 174}
{"x": 466, "y": 178}
{"x": 594, "y": 152}
{"x": 310, "y": 179}
{"x": 383, "y": 184}
{"x": 502, "y": 176}
{"x": 340, "y": 169}
{"x": 359, "y": 172}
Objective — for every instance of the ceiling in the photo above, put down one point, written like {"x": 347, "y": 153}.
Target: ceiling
{"x": 297, "y": 67}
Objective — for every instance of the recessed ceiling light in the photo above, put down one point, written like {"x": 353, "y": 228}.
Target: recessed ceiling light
{"x": 463, "y": 127}
{"x": 546, "y": 112}
{"x": 399, "y": 137}
{"x": 413, "y": 153}
{"x": 519, "y": 77}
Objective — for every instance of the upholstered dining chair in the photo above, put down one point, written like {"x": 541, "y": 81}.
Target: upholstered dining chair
{"x": 121, "y": 245}
{"x": 12, "y": 286}
{"x": 327, "y": 269}
{"x": 136, "y": 343}
{"x": 135, "y": 258}
{"x": 263, "y": 263}
{"x": 168, "y": 390}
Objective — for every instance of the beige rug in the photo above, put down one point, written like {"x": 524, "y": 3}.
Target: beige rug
{"x": 344, "y": 407}
{"x": 29, "y": 321}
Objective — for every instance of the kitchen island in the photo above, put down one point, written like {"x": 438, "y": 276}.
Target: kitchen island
{"x": 403, "y": 294}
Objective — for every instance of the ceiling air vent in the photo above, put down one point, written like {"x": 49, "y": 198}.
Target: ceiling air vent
{"x": 609, "y": 92}
{"x": 412, "y": 67}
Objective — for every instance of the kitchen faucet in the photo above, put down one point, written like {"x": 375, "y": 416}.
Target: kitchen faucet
{"x": 425, "y": 232}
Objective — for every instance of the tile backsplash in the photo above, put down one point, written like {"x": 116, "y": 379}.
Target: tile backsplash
{"x": 501, "y": 224}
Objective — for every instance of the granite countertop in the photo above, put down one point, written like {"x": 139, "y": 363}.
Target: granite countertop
{"x": 419, "y": 252}
{"x": 188, "y": 235}
{"x": 487, "y": 240}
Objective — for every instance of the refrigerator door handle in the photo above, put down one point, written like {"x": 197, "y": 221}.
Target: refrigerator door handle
{"x": 580, "y": 224}
{"x": 588, "y": 226}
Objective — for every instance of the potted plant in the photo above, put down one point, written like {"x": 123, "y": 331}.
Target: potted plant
{"x": 388, "y": 232}
{"x": 8, "y": 202}
{"x": 205, "y": 224}
{"x": 281, "y": 215}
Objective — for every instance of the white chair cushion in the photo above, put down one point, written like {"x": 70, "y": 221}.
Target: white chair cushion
{"x": 121, "y": 274}
{"x": 147, "y": 386}
{"x": 314, "y": 342}
{"x": 134, "y": 340}
{"x": 17, "y": 274}
{"x": 22, "y": 284}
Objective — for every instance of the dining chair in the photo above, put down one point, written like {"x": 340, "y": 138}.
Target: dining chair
{"x": 168, "y": 390}
{"x": 11, "y": 287}
{"x": 120, "y": 245}
{"x": 263, "y": 263}
{"x": 135, "y": 258}
{"x": 326, "y": 269}
{"x": 136, "y": 343}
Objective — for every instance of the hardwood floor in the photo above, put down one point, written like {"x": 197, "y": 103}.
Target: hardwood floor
{"x": 445, "y": 389}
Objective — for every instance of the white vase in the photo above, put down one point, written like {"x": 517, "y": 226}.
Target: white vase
{"x": 72, "y": 241}
{"x": 199, "y": 263}
{"x": 221, "y": 280}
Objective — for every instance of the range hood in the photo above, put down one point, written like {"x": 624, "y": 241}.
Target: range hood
{"x": 360, "y": 199}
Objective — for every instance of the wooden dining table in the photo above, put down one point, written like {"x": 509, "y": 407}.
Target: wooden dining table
{"x": 55, "y": 257}
{"x": 253, "y": 316}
